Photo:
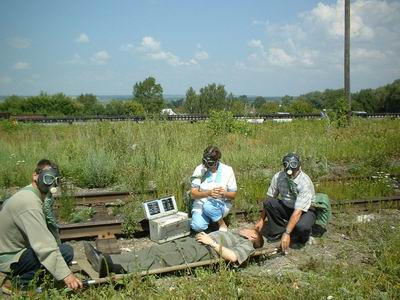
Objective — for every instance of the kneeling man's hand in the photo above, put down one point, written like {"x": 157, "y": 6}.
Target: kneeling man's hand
{"x": 285, "y": 241}
{"x": 73, "y": 282}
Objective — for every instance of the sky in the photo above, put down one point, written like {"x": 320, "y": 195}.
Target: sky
{"x": 252, "y": 47}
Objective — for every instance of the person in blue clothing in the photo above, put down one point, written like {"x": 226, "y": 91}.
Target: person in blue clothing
{"x": 213, "y": 189}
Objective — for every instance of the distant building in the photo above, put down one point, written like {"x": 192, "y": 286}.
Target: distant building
{"x": 168, "y": 112}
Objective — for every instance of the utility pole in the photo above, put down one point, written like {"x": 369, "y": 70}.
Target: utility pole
{"x": 347, "y": 93}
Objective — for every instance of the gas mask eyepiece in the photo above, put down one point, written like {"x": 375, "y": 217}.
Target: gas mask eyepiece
{"x": 48, "y": 180}
{"x": 291, "y": 163}
{"x": 209, "y": 162}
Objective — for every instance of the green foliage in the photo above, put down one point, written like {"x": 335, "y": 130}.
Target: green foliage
{"x": 191, "y": 103}
{"x": 300, "y": 107}
{"x": 89, "y": 105}
{"x": 286, "y": 100}
{"x": 149, "y": 94}
{"x": 392, "y": 103}
{"x": 340, "y": 116}
{"x": 358, "y": 189}
{"x": 127, "y": 155}
{"x": 259, "y": 102}
{"x": 124, "y": 108}
{"x": 270, "y": 107}
{"x": 9, "y": 126}
{"x": 238, "y": 106}
{"x": 223, "y": 122}
{"x": 66, "y": 207}
{"x": 82, "y": 215}
{"x": 212, "y": 97}
{"x": 131, "y": 215}
{"x": 99, "y": 169}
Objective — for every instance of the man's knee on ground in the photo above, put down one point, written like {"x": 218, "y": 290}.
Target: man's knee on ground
{"x": 67, "y": 252}
{"x": 303, "y": 232}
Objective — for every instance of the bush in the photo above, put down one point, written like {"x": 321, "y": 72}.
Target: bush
{"x": 223, "y": 122}
{"x": 99, "y": 169}
{"x": 339, "y": 117}
{"x": 132, "y": 214}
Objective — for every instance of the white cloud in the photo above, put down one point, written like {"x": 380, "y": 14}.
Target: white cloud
{"x": 365, "y": 54}
{"x": 150, "y": 44}
{"x": 314, "y": 41}
{"x": 19, "y": 42}
{"x": 82, "y": 38}
{"x": 201, "y": 55}
{"x": 256, "y": 44}
{"x": 100, "y": 57}
{"x": 151, "y": 49}
{"x": 4, "y": 80}
{"x": 331, "y": 19}
{"x": 21, "y": 66}
{"x": 279, "y": 57}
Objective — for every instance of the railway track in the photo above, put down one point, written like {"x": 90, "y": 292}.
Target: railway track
{"x": 114, "y": 198}
{"x": 112, "y": 227}
{"x": 103, "y": 198}
{"x": 74, "y": 119}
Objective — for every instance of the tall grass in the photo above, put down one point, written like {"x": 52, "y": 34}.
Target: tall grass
{"x": 126, "y": 155}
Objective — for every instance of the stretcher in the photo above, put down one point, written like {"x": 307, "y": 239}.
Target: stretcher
{"x": 268, "y": 251}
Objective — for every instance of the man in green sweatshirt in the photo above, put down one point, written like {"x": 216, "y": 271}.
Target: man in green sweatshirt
{"x": 26, "y": 243}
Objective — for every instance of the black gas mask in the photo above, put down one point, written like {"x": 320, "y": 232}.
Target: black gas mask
{"x": 209, "y": 162}
{"x": 291, "y": 163}
{"x": 48, "y": 180}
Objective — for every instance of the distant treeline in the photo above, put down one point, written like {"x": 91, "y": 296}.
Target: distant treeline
{"x": 148, "y": 98}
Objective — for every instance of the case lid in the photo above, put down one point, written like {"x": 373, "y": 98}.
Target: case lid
{"x": 158, "y": 208}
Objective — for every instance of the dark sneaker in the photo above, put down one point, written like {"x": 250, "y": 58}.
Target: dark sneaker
{"x": 106, "y": 265}
{"x": 100, "y": 262}
{"x": 92, "y": 255}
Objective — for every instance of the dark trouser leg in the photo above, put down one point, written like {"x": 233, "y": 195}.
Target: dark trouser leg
{"x": 28, "y": 264}
{"x": 302, "y": 230}
{"x": 277, "y": 218}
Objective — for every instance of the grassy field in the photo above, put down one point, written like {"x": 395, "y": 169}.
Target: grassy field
{"x": 129, "y": 156}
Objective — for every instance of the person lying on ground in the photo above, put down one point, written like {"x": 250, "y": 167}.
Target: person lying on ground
{"x": 233, "y": 247}
{"x": 26, "y": 243}
{"x": 287, "y": 208}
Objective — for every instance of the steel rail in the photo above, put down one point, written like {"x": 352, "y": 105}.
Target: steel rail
{"x": 102, "y": 198}
{"x": 109, "y": 197}
{"x": 73, "y": 119}
{"x": 94, "y": 229}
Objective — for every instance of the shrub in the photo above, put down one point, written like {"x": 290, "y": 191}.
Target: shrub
{"x": 339, "y": 117}
{"x": 99, "y": 169}
{"x": 223, "y": 122}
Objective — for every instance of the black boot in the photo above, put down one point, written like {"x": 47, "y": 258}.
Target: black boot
{"x": 100, "y": 262}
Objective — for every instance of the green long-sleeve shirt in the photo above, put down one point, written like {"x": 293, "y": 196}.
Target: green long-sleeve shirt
{"x": 23, "y": 225}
